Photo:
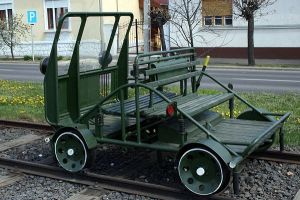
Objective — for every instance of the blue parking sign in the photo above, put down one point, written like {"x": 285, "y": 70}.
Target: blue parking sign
{"x": 31, "y": 17}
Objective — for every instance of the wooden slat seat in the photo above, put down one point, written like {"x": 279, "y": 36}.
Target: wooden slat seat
{"x": 174, "y": 79}
{"x": 192, "y": 104}
{"x": 129, "y": 104}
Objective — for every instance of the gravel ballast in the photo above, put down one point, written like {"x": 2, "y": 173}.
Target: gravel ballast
{"x": 39, "y": 188}
{"x": 267, "y": 180}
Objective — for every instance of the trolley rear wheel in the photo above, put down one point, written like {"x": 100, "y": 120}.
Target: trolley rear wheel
{"x": 202, "y": 172}
{"x": 71, "y": 151}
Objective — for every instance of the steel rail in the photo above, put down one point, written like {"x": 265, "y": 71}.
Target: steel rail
{"x": 277, "y": 156}
{"x": 102, "y": 181}
{"x": 28, "y": 125}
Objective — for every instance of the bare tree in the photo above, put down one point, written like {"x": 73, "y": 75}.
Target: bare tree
{"x": 186, "y": 18}
{"x": 248, "y": 9}
{"x": 159, "y": 17}
{"x": 12, "y": 31}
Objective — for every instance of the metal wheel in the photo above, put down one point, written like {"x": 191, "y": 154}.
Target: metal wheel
{"x": 70, "y": 152}
{"x": 201, "y": 172}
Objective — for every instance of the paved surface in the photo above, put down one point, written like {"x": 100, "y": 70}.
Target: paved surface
{"x": 243, "y": 78}
{"x": 20, "y": 72}
{"x": 256, "y": 80}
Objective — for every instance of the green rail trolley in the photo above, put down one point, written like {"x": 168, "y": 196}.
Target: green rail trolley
{"x": 112, "y": 102}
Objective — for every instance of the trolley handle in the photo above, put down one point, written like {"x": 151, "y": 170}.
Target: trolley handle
{"x": 205, "y": 64}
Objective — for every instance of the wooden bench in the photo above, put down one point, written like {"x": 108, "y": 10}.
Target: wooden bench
{"x": 162, "y": 73}
{"x": 192, "y": 104}
{"x": 179, "y": 70}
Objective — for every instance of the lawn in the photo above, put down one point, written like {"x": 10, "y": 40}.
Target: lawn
{"x": 24, "y": 101}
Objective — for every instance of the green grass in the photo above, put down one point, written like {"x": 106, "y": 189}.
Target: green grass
{"x": 24, "y": 101}
{"x": 21, "y": 101}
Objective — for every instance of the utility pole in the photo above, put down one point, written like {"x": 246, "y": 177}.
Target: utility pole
{"x": 102, "y": 39}
{"x": 147, "y": 23}
{"x": 118, "y": 33}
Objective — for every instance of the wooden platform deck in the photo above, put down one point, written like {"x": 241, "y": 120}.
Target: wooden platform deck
{"x": 235, "y": 132}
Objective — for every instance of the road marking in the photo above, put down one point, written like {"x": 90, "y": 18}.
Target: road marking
{"x": 267, "y": 80}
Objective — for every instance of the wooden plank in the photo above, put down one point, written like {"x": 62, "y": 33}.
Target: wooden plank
{"x": 244, "y": 131}
{"x": 130, "y": 104}
{"x": 170, "y": 66}
{"x": 20, "y": 141}
{"x": 234, "y": 130}
{"x": 173, "y": 79}
{"x": 297, "y": 196}
{"x": 88, "y": 194}
{"x": 10, "y": 178}
{"x": 237, "y": 148}
{"x": 191, "y": 105}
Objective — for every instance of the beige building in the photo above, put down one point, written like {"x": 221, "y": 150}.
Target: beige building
{"x": 48, "y": 13}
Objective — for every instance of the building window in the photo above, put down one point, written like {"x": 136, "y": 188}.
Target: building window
{"x": 220, "y": 11}
{"x": 208, "y": 20}
{"x": 55, "y": 9}
{"x": 5, "y": 11}
{"x": 228, "y": 20}
{"x": 218, "y": 20}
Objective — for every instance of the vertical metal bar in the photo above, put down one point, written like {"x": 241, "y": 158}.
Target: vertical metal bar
{"x": 99, "y": 122}
{"x": 185, "y": 87}
{"x": 182, "y": 130}
{"x": 150, "y": 99}
{"x": 181, "y": 87}
{"x": 235, "y": 181}
{"x": 193, "y": 79}
{"x": 231, "y": 102}
{"x": 281, "y": 139}
{"x": 136, "y": 37}
{"x": 123, "y": 120}
{"x": 137, "y": 104}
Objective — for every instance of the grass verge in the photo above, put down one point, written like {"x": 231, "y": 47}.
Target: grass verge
{"x": 24, "y": 101}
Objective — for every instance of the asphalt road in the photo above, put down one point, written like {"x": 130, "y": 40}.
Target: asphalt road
{"x": 274, "y": 80}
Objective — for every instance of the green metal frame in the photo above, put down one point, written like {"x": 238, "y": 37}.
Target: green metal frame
{"x": 80, "y": 116}
{"x": 53, "y": 84}
{"x": 137, "y": 85}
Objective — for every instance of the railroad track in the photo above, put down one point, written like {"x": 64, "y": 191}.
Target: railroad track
{"x": 28, "y": 125}
{"x": 97, "y": 181}
{"x": 277, "y": 156}
{"x": 102, "y": 181}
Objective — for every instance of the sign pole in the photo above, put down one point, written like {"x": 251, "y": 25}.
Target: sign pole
{"x": 32, "y": 20}
{"x": 32, "y": 46}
